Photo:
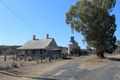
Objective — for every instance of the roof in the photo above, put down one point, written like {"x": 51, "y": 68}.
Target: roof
{"x": 37, "y": 44}
{"x": 64, "y": 49}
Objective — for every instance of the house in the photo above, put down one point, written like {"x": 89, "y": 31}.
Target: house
{"x": 41, "y": 48}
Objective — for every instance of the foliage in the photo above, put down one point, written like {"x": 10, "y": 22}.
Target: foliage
{"x": 118, "y": 43}
{"x": 8, "y": 49}
{"x": 5, "y": 67}
{"x": 117, "y": 51}
{"x": 93, "y": 19}
{"x": 89, "y": 48}
{"x": 29, "y": 58}
{"x": 15, "y": 65}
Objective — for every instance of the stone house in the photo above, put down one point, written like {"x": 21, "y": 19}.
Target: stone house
{"x": 41, "y": 48}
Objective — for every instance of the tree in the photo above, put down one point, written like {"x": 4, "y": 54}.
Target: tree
{"x": 117, "y": 51}
{"x": 89, "y": 48}
{"x": 75, "y": 50}
{"x": 93, "y": 20}
{"x": 118, "y": 43}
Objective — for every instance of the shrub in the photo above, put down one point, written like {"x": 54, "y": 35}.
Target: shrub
{"x": 75, "y": 51}
{"x": 29, "y": 58}
{"x": 15, "y": 65}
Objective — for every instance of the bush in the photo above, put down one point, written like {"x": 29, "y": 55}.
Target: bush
{"x": 75, "y": 51}
{"x": 29, "y": 58}
{"x": 15, "y": 65}
{"x": 5, "y": 67}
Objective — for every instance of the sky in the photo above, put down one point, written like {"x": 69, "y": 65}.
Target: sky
{"x": 43, "y": 17}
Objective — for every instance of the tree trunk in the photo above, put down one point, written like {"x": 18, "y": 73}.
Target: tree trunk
{"x": 97, "y": 53}
{"x": 100, "y": 55}
{"x": 5, "y": 56}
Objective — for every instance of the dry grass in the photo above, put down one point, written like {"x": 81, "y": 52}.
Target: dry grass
{"x": 27, "y": 72}
{"x": 9, "y": 63}
{"x": 92, "y": 62}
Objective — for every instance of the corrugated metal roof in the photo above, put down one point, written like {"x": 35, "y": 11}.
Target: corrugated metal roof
{"x": 37, "y": 44}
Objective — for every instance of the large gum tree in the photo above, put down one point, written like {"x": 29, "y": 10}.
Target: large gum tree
{"x": 94, "y": 20}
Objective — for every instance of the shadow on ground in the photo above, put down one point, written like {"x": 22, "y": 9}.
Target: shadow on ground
{"x": 67, "y": 58}
{"x": 43, "y": 78}
{"x": 114, "y": 59}
{"x": 16, "y": 75}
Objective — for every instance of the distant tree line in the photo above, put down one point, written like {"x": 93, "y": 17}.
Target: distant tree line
{"x": 9, "y": 50}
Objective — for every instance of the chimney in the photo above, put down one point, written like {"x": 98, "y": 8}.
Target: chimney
{"x": 47, "y": 36}
{"x": 34, "y": 37}
{"x": 72, "y": 38}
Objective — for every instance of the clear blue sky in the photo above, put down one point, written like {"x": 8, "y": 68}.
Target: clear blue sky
{"x": 44, "y": 16}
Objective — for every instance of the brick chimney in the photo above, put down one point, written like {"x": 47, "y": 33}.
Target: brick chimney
{"x": 72, "y": 39}
{"x": 34, "y": 37}
{"x": 47, "y": 36}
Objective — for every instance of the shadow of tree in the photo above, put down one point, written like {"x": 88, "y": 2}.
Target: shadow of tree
{"x": 67, "y": 58}
{"x": 10, "y": 74}
{"x": 43, "y": 78}
{"x": 16, "y": 75}
{"x": 114, "y": 59}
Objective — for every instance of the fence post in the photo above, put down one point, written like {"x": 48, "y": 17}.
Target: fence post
{"x": 5, "y": 57}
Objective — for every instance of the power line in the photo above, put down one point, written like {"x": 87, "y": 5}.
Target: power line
{"x": 19, "y": 17}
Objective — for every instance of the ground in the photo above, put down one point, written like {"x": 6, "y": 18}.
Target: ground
{"x": 80, "y": 68}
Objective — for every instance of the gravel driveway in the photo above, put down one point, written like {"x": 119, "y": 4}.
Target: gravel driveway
{"x": 71, "y": 71}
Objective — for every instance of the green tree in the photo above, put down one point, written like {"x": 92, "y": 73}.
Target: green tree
{"x": 89, "y": 48}
{"x": 117, "y": 51}
{"x": 118, "y": 43}
{"x": 75, "y": 51}
{"x": 93, "y": 19}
